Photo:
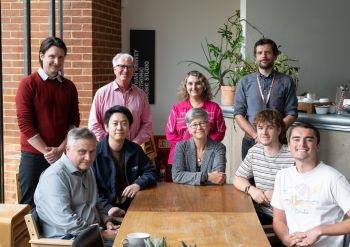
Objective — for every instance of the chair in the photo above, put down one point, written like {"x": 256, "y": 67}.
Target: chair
{"x": 37, "y": 241}
{"x": 90, "y": 237}
{"x": 271, "y": 235}
{"x": 150, "y": 148}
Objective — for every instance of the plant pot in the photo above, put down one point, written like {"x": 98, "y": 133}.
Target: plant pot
{"x": 228, "y": 95}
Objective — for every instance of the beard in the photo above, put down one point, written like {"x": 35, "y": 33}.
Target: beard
{"x": 266, "y": 65}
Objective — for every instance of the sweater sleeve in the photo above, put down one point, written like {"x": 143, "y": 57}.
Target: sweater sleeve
{"x": 25, "y": 108}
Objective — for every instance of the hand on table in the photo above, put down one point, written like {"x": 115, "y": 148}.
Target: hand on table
{"x": 258, "y": 195}
{"x": 131, "y": 190}
{"x": 117, "y": 212}
{"x": 217, "y": 177}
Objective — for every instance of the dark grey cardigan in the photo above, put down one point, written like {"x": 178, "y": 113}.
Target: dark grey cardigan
{"x": 184, "y": 165}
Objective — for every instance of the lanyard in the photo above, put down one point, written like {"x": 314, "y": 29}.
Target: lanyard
{"x": 270, "y": 90}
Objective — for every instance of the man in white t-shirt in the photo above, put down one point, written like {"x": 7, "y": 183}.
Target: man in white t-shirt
{"x": 263, "y": 161}
{"x": 310, "y": 199}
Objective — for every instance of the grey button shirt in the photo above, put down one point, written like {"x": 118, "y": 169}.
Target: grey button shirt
{"x": 66, "y": 199}
{"x": 248, "y": 100}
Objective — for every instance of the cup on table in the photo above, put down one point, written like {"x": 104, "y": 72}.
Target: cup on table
{"x": 135, "y": 239}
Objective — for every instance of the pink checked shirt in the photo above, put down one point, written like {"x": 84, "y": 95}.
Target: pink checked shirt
{"x": 134, "y": 99}
{"x": 176, "y": 129}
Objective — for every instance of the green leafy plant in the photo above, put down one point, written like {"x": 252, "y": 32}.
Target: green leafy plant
{"x": 225, "y": 62}
{"x": 156, "y": 243}
{"x": 187, "y": 245}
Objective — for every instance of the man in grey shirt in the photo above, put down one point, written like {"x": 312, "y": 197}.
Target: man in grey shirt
{"x": 66, "y": 196}
{"x": 264, "y": 89}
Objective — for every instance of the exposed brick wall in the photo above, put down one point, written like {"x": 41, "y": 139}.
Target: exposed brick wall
{"x": 91, "y": 31}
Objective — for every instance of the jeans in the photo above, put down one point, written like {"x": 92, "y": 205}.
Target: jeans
{"x": 30, "y": 169}
{"x": 247, "y": 143}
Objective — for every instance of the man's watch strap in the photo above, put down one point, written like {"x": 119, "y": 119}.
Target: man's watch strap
{"x": 246, "y": 189}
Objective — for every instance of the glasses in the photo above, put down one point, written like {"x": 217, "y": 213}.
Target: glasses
{"x": 196, "y": 125}
{"x": 124, "y": 66}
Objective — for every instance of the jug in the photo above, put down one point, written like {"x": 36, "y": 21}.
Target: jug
{"x": 341, "y": 93}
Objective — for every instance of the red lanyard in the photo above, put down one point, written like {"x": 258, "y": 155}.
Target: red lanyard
{"x": 270, "y": 90}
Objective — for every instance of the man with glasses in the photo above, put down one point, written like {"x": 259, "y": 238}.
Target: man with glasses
{"x": 121, "y": 167}
{"x": 122, "y": 92}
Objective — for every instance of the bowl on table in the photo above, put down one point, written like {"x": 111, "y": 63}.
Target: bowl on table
{"x": 332, "y": 109}
{"x": 322, "y": 109}
{"x": 324, "y": 100}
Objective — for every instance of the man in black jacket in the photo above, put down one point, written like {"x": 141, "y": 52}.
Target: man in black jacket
{"x": 121, "y": 167}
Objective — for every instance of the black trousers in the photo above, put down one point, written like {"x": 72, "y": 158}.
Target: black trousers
{"x": 30, "y": 168}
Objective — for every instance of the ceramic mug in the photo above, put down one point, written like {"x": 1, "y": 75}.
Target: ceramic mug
{"x": 135, "y": 239}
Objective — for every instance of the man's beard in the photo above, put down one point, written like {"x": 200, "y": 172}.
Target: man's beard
{"x": 268, "y": 65}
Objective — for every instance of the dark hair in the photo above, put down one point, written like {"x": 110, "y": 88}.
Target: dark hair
{"x": 51, "y": 41}
{"x": 206, "y": 94}
{"x": 265, "y": 41}
{"x": 118, "y": 109}
{"x": 305, "y": 126}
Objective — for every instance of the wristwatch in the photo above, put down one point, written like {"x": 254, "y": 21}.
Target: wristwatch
{"x": 246, "y": 189}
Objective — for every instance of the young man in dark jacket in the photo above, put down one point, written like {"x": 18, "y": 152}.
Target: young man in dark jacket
{"x": 121, "y": 167}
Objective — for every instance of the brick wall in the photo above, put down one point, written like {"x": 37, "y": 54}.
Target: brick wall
{"x": 91, "y": 31}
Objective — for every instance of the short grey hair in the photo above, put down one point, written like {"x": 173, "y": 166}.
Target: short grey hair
{"x": 79, "y": 133}
{"x": 195, "y": 113}
{"x": 122, "y": 56}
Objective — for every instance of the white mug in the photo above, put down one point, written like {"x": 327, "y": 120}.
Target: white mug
{"x": 135, "y": 239}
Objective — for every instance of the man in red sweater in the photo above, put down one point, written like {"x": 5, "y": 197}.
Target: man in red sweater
{"x": 47, "y": 108}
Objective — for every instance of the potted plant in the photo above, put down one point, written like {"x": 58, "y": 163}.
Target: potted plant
{"x": 225, "y": 62}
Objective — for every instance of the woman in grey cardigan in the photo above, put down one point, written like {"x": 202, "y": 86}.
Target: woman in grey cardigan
{"x": 199, "y": 160}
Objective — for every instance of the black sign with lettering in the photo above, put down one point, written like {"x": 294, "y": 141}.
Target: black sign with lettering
{"x": 142, "y": 48}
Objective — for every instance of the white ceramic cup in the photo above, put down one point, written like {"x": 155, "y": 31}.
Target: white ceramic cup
{"x": 135, "y": 239}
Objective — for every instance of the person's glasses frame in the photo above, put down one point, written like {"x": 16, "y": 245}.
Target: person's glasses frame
{"x": 196, "y": 125}
{"x": 124, "y": 66}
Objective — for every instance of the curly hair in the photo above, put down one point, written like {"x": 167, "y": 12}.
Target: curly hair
{"x": 271, "y": 116}
{"x": 206, "y": 94}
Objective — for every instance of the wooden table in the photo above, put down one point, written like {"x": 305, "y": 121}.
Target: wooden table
{"x": 205, "y": 215}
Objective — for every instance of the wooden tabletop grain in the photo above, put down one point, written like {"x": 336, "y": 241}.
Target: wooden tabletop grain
{"x": 205, "y": 215}
{"x": 170, "y": 197}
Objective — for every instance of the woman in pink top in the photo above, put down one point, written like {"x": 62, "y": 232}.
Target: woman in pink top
{"x": 194, "y": 92}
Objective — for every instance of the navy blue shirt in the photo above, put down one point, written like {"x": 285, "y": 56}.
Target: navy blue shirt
{"x": 248, "y": 99}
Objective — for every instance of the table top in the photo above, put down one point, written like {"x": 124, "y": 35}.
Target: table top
{"x": 204, "y": 215}
{"x": 170, "y": 197}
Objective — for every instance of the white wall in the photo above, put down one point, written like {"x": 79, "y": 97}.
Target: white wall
{"x": 180, "y": 26}
{"x": 315, "y": 32}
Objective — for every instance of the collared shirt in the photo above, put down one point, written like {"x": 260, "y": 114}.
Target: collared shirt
{"x": 248, "y": 100}
{"x": 134, "y": 99}
{"x": 66, "y": 199}
{"x": 44, "y": 76}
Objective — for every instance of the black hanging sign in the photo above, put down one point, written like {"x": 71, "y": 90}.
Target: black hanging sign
{"x": 142, "y": 48}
